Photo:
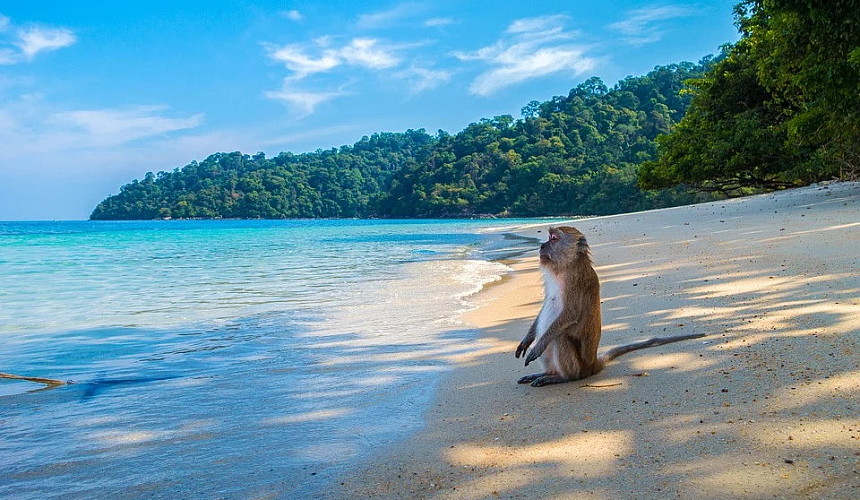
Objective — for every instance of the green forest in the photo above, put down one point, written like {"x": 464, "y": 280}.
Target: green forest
{"x": 779, "y": 108}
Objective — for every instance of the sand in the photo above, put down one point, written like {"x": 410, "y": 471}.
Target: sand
{"x": 766, "y": 406}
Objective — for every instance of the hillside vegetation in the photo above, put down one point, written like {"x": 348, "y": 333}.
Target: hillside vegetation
{"x": 779, "y": 108}
{"x": 573, "y": 154}
{"x": 782, "y": 108}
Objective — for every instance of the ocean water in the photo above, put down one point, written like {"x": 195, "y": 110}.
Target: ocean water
{"x": 225, "y": 359}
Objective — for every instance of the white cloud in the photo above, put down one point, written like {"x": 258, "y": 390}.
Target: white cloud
{"x": 363, "y": 52}
{"x": 368, "y": 53}
{"x": 74, "y": 157}
{"x": 303, "y": 90}
{"x": 531, "y": 48}
{"x": 296, "y": 60}
{"x": 75, "y": 160}
{"x": 388, "y": 17}
{"x": 422, "y": 79}
{"x": 32, "y": 127}
{"x": 303, "y": 102}
{"x": 323, "y": 55}
{"x": 293, "y": 15}
{"x": 118, "y": 126}
{"x": 516, "y": 65}
{"x": 639, "y": 27}
{"x": 28, "y": 41}
{"x": 542, "y": 24}
{"x": 440, "y": 21}
{"x": 33, "y": 40}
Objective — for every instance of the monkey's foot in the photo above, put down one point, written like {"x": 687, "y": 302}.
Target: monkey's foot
{"x": 548, "y": 380}
{"x": 530, "y": 378}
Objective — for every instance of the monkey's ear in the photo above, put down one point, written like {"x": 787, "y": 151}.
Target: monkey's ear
{"x": 581, "y": 244}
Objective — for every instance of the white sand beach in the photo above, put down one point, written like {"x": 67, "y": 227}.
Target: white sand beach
{"x": 766, "y": 406}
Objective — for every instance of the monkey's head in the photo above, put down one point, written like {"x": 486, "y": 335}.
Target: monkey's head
{"x": 565, "y": 246}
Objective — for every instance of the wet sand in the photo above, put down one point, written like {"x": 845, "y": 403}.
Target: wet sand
{"x": 766, "y": 406}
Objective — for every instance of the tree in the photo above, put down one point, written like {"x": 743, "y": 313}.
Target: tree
{"x": 809, "y": 52}
{"x": 732, "y": 137}
{"x": 781, "y": 109}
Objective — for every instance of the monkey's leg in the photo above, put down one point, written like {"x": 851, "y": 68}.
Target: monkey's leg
{"x": 548, "y": 379}
{"x": 531, "y": 378}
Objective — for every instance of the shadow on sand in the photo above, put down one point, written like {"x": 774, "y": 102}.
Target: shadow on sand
{"x": 765, "y": 407}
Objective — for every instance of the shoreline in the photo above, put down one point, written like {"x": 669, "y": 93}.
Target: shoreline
{"x": 765, "y": 406}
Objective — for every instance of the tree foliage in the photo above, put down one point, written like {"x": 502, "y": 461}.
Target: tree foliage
{"x": 782, "y": 108}
{"x": 574, "y": 154}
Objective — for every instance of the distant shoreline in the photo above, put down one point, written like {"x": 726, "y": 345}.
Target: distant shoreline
{"x": 470, "y": 217}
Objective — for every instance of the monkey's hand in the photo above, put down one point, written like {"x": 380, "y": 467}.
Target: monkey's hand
{"x": 538, "y": 349}
{"x": 533, "y": 355}
{"x": 523, "y": 347}
{"x": 527, "y": 341}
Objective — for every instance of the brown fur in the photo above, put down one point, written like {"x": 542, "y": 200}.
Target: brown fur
{"x": 568, "y": 345}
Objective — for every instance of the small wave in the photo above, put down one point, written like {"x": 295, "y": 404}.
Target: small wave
{"x": 427, "y": 298}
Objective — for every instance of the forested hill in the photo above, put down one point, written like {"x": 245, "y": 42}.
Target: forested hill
{"x": 574, "y": 154}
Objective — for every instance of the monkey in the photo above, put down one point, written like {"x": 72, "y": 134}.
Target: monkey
{"x": 567, "y": 329}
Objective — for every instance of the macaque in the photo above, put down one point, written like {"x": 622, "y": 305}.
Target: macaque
{"x": 566, "y": 332}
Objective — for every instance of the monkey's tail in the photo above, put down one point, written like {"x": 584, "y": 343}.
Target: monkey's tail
{"x": 49, "y": 382}
{"x": 624, "y": 349}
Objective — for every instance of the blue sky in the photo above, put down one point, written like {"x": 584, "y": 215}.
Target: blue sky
{"x": 95, "y": 94}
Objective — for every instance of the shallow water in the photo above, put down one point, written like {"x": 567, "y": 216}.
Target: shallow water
{"x": 224, "y": 359}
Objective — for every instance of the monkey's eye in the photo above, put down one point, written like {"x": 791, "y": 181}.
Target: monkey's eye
{"x": 553, "y": 237}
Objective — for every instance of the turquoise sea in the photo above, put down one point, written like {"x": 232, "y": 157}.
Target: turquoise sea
{"x": 225, "y": 359}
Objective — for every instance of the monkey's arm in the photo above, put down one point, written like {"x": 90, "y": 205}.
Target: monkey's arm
{"x": 527, "y": 340}
{"x": 554, "y": 331}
